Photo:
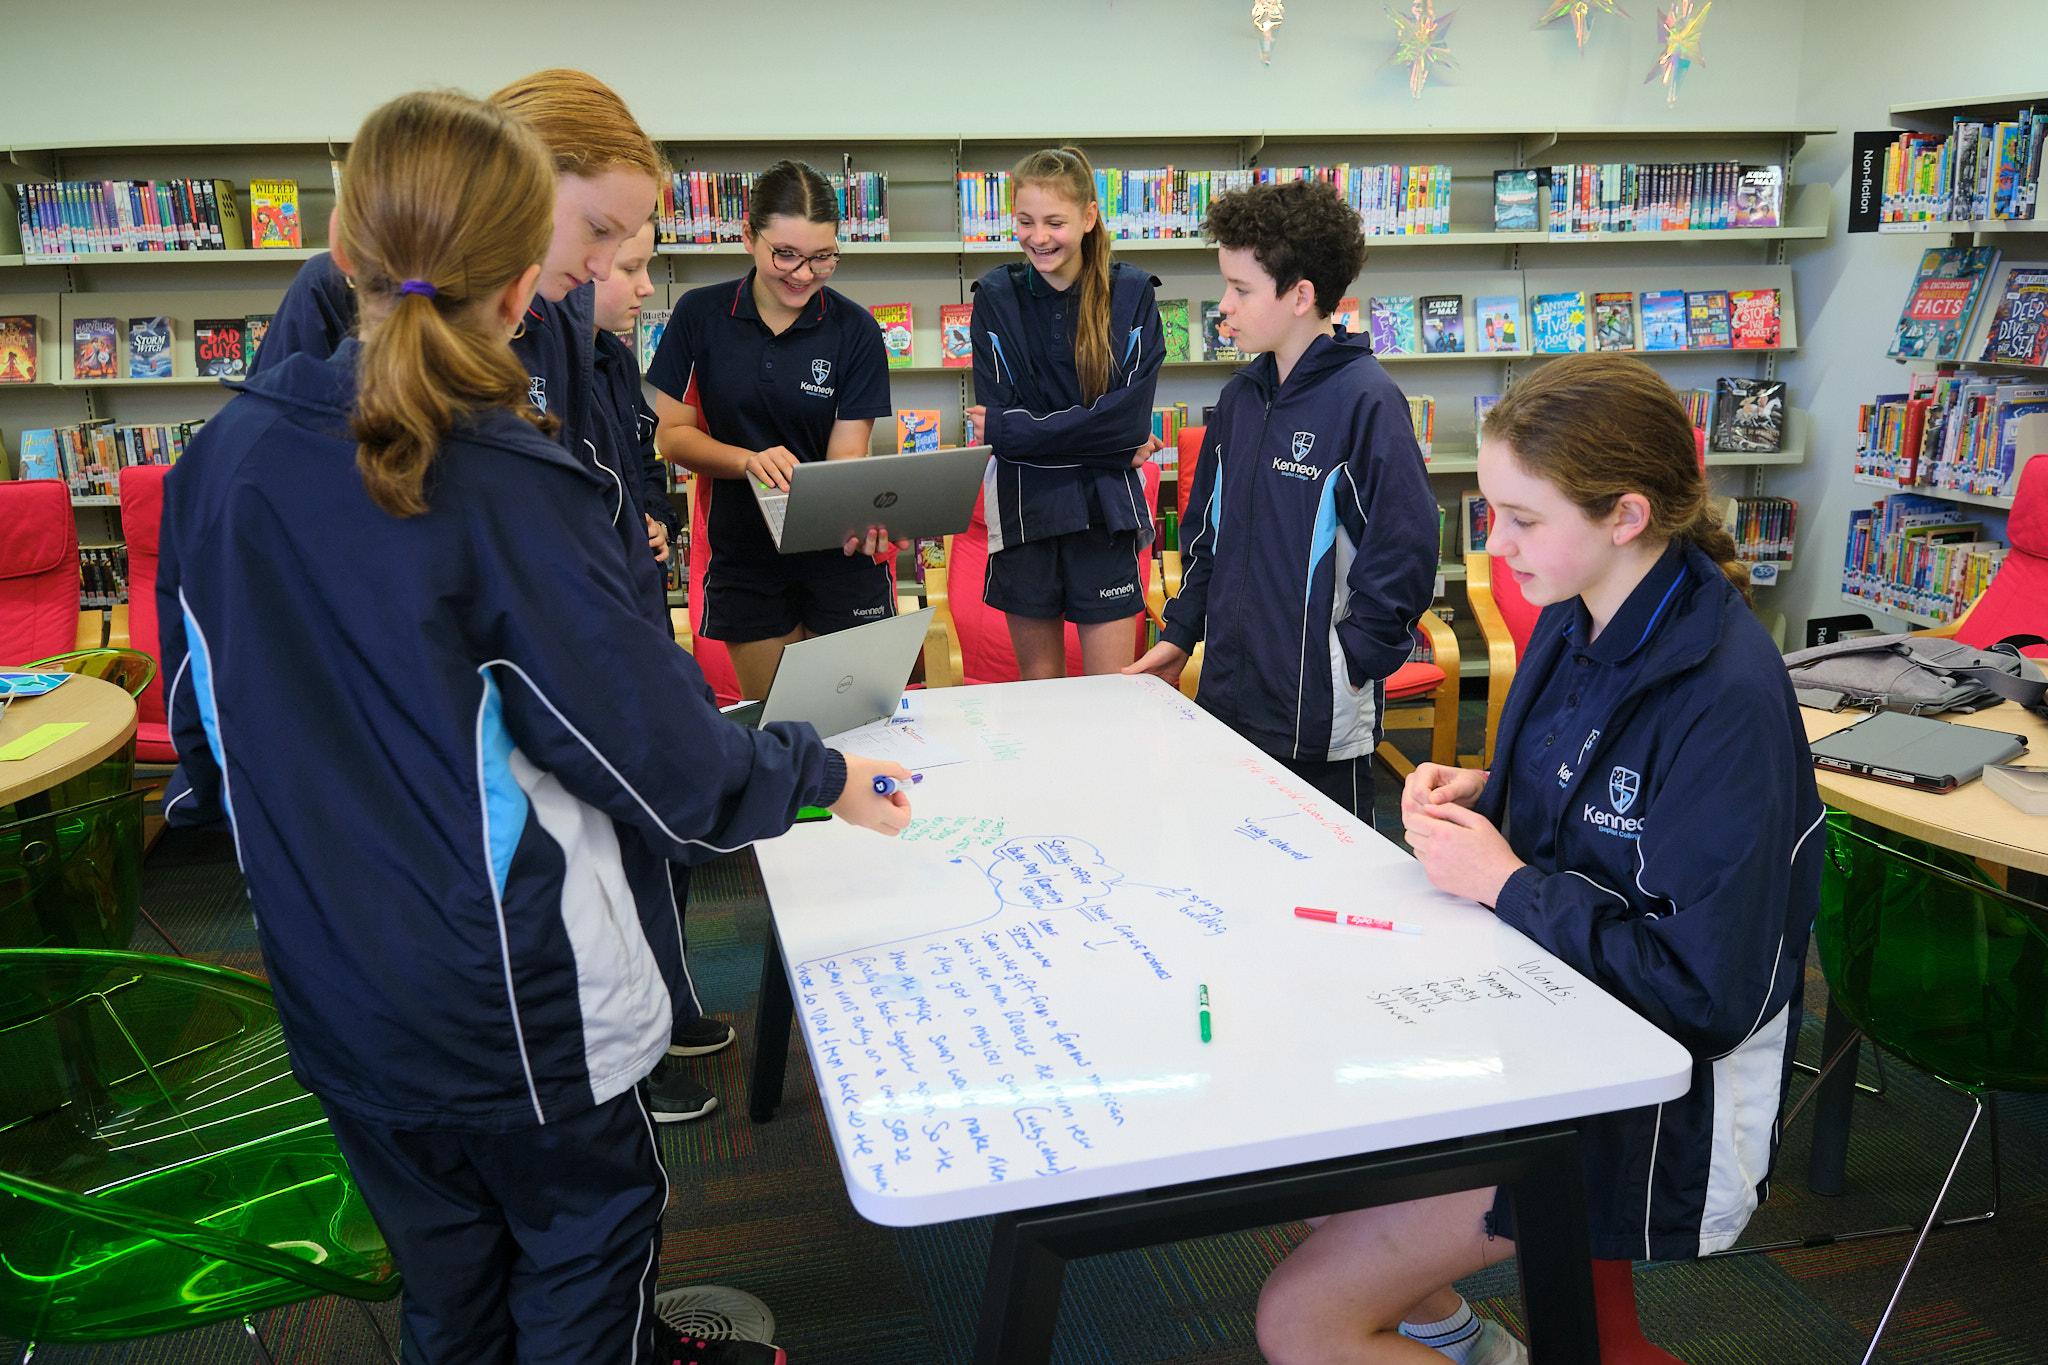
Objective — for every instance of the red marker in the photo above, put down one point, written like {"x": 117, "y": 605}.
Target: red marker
{"x": 1355, "y": 921}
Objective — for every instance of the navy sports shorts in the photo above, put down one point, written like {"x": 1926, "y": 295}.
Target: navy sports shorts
{"x": 744, "y": 603}
{"x": 1087, "y": 577}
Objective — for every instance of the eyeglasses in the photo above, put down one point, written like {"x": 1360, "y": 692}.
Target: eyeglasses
{"x": 787, "y": 261}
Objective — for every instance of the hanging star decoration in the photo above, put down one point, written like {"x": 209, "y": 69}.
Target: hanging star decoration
{"x": 1421, "y": 41}
{"x": 1678, "y": 28}
{"x": 1580, "y": 13}
{"x": 1266, "y": 16}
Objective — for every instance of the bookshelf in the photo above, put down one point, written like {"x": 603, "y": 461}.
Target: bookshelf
{"x": 929, "y": 262}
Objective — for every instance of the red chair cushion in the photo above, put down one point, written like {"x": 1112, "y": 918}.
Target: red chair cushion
{"x": 2016, "y": 603}
{"x": 1190, "y": 454}
{"x": 1414, "y": 680}
{"x": 153, "y": 743}
{"x": 38, "y": 571}
{"x": 1516, "y": 612}
{"x": 142, "y": 514}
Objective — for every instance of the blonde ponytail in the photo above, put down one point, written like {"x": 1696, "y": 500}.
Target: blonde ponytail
{"x": 447, "y": 200}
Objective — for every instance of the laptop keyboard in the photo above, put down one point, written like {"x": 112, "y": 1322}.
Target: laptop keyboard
{"x": 774, "y": 510}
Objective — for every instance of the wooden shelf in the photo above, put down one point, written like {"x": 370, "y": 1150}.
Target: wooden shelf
{"x": 295, "y": 255}
{"x": 182, "y": 381}
{"x": 1945, "y": 494}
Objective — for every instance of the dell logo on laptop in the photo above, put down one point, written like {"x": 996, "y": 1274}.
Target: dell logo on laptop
{"x": 885, "y": 499}
{"x": 844, "y": 683}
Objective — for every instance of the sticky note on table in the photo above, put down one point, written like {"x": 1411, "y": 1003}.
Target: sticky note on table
{"x": 39, "y": 739}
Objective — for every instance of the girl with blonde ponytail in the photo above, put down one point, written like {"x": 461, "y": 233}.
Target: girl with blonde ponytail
{"x": 1067, "y": 349}
{"x": 1651, "y": 820}
{"x": 411, "y": 675}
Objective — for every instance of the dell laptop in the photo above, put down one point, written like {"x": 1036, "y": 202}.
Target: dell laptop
{"x": 843, "y": 680}
{"x": 929, "y": 493}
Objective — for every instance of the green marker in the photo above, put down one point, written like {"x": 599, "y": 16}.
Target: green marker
{"x": 1205, "y": 1014}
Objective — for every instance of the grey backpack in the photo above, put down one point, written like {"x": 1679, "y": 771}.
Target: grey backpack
{"x": 1918, "y": 674}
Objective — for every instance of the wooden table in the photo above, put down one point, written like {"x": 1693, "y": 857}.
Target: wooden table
{"x": 1972, "y": 820}
{"x": 109, "y": 716}
{"x": 1001, "y": 1008}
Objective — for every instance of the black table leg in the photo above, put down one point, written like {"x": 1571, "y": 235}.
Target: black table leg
{"x": 1832, "y": 1107}
{"x": 1020, "y": 1304}
{"x": 772, "y": 1012}
{"x": 1554, "y": 1253}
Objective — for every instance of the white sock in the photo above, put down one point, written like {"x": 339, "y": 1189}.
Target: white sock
{"x": 1453, "y": 1337}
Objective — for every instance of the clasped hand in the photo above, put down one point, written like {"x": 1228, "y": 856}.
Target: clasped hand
{"x": 1460, "y": 850}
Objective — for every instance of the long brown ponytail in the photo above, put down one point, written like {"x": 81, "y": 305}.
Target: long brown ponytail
{"x": 1597, "y": 426}
{"x": 453, "y": 198}
{"x": 1065, "y": 171}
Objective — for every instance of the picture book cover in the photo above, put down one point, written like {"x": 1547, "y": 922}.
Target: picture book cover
{"x": 259, "y": 326}
{"x": 917, "y": 429}
{"x": 220, "y": 347}
{"x": 1497, "y": 322}
{"x": 1219, "y": 338}
{"x": 1760, "y": 196}
{"x": 956, "y": 341}
{"x": 39, "y": 455}
{"x": 17, "y": 350}
{"x": 1558, "y": 322}
{"x": 94, "y": 344}
{"x": 1663, "y": 319}
{"x": 897, "y": 337}
{"x": 1173, "y": 321}
{"x": 1514, "y": 201}
{"x": 1346, "y": 315}
{"x": 1614, "y": 322}
{"x": 149, "y": 348}
{"x": 647, "y": 330}
{"x": 1392, "y": 322}
{"x": 1443, "y": 324}
{"x": 1753, "y": 319}
{"x": 1707, "y": 326}
{"x": 2018, "y": 336}
{"x": 1474, "y": 521}
{"x": 1942, "y": 301}
{"x": 1749, "y": 415}
{"x": 274, "y": 213}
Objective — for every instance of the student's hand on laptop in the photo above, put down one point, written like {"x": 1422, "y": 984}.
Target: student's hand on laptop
{"x": 860, "y": 804}
{"x": 772, "y": 466}
{"x": 1153, "y": 445}
{"x": 978, "y": 414}
{"x": 1163, "y": 661}
{"x": 877, "y": 542}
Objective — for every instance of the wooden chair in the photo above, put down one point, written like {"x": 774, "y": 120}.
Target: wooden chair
{"x": 1505, "y": 619}
{"x": 1433, "y": 687}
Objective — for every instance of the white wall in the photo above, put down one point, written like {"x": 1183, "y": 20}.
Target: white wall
{"x": 699, "y": 69}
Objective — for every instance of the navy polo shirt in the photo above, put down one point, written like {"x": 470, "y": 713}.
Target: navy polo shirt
{"x": 756, "y": 390}
{"x": 1574, "y": 703}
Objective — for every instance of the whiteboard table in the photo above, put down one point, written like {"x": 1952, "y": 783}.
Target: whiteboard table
{"x": 1001, "y": 1007}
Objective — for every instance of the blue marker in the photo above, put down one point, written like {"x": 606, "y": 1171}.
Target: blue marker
{"x": 889, "y": 786}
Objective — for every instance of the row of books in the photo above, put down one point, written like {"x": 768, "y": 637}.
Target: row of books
{"x": 1954, "y": 431}
{"x": 1167, "y": 424}
{"x": 1620, "y": 196}
{"x": 1740, "y": 415}
{"x": 1565, "y": 323}
{"x": 90, "y": 456}
{"x": 1763, "y": 528}
{"x": 101, "y": 348}
{"x": 1949, "y": 288}
{"x": 711, "y": 206}
{"x": 1917, "y": 554}
{"x": 102, "y": 577}
{"x": 1975, "y": 172}
{"x": 105, "y": 217}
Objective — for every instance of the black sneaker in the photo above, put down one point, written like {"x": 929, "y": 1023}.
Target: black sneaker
{"x": 672, "y": 1097}
{"x": 700, "y": 1037}
{"x": 672, "y": 1348}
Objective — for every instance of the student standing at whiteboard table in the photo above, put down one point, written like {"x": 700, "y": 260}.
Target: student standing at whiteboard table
{"x": 1651, "y": 819}
{"x": 754, "y": 377}
{"x": 1067, "y": 349}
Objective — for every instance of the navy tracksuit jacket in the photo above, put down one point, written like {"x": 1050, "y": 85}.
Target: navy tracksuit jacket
{"x": 1684, "y": 875}
{"x": 1309, "y": 551}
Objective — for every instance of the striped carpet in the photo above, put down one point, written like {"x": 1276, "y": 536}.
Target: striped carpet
{"x": 762, "y": 1208}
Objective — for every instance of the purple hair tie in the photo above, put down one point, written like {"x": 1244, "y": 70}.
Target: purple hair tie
{"x": 418, "y": 287}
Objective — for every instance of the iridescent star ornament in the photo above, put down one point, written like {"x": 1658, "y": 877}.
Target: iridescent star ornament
{"x": 1678, "y": 29}
{"x": 1580, "y": 12}
{"x": 1266, "y": 16}
{"x": 1422, "y": 41}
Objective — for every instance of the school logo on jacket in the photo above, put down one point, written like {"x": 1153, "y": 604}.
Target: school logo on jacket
{"x": 1304, "y": 442}
{"x": 537, "y": 392}
{"x": 821, "y": 370}
{"x": 1622, "y": 786}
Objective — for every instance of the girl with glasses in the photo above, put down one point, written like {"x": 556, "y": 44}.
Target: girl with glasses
{"x": 754, "y": 377}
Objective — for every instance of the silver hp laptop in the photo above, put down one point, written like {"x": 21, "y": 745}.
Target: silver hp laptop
{"x": 842, "y": 680}
{"x": 930, "y": 493}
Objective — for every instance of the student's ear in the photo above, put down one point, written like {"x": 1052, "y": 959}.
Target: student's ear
{"x": 1630, "y": 517}
{"x": 1094, "y": 217}
{"x": 334, "y": 243}
{"x": 1305, "y": 300}
{"x": 509, "y": 307}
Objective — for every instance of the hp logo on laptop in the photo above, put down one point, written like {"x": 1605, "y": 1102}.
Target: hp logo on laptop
{"x": 885, "y": 499}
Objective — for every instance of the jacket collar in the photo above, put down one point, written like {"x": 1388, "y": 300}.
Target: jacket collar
{"x": 1325, "y": 356}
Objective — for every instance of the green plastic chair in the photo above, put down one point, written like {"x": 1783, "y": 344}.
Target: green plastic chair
{"x": 128, "y": 669}
{"x": 1941, "y": 967}
{"x": 72, "y": 878}
{"x": 160, "y": 1169}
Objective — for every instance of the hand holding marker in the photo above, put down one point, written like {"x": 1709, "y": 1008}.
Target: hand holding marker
{"x": 889, "y": 786}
